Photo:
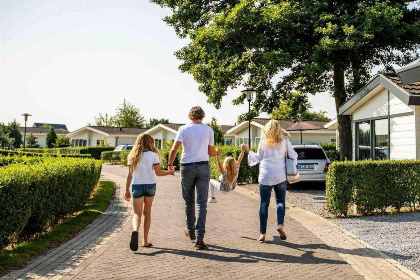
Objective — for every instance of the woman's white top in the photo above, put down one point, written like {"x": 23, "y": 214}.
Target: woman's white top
{"x": 143, "y": 173}
{"x": 272, "y": 161}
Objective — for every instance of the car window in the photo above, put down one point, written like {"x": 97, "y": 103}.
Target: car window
{"x": 129, "y": 147}
{"x": 307, "y": 153}
{"x": 119, "y": 148}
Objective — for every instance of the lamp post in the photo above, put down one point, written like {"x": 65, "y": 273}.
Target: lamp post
{"x": 26, "y": 115}
{"x": 249, "y": 92}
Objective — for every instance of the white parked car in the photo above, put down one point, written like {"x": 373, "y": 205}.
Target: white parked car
{"x": 312, "y": 163}
{"x": 123, "y": 148}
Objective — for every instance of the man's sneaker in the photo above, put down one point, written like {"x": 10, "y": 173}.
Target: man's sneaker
{"x": 134, "y": 243}
{"x": 191, "y": 236}
{"x": 199, "y": 244}
{"x": 212, "y": 200}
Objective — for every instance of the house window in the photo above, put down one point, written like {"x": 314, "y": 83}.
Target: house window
{"x": 372, "y": 139}
{"x": 240, "y": 141}
{"x": 79, "y": 142}
{"x": 381, "y": 139}
{"x": 158, "y": 143}
{"x": 100, "y": 142}
{"x": 228, "y": 142}
{"x": 257, "y": 141}
{"x": 333, "y": 140}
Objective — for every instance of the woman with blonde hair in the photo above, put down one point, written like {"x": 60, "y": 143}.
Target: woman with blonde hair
{"x": 271, "y": 156}
{"x": 230, "y": 171}
{"x": 142, "y": 161}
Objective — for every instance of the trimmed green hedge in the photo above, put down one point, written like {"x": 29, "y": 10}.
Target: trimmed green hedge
{"x": 7, "y": 160}
{"x": 95, "y": 152}
{"x": 34, "y": 196}
{"x": 112, "y": 157}
{"x": 372, "y": 185}
{"x": 32, "y": 154}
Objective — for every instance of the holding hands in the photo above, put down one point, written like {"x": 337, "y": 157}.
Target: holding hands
{"x": 245, "y": 147}
{"x": 218, "y": 152}
{"x": 171, "y": 169}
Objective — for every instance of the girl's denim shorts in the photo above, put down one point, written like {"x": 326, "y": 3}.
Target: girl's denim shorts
{"x": 140, "y": 190}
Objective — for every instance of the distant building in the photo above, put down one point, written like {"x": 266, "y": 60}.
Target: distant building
{"x": 104, "y": 135}
{"x": 40, "y": 133}
{"x": 54, "y": 125}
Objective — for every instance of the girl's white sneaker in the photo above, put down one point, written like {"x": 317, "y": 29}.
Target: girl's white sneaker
{"x": 212, "y": 200}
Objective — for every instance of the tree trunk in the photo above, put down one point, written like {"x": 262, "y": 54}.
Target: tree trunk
{"x": 344, "y": 122}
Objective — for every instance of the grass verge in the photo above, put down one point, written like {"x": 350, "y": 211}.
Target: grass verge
{"x": 24, "y": 252}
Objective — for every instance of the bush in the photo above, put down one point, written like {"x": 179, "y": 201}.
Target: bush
{"x": 329, "y": 146}
{"x": 35, "y": 154}
{"x": 35, "y": 196}
{"x": 95, "y": 152}
{"x": 112, "y": 157}
{"x": 373, "y": 185}
{"x": 333, "y": 155}
{"x": 7, "y": 160}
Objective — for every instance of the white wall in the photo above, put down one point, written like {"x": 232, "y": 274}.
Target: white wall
{"x": 402, "y": 132}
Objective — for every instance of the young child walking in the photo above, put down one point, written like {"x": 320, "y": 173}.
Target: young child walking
{"x": 230, "y": 171}
{"x": 142, "y": 161}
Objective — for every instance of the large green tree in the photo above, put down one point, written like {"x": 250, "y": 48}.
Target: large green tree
{"x": 154, "y": 122}
{"x": 31, "y": 141}
{"x": 127, "y": 115}
{"x": 5, "y": 140}
{"x": 14, "y": 134}
{"x": 218, "y": 133}
{"x": 307, "y": 45}
{"x": 297, "y": 107}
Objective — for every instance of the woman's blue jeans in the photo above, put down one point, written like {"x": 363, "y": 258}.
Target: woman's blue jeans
{"x": 265, "y": 194}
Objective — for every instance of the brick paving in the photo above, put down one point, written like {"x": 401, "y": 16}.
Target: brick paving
{"x": 102, "y": 252}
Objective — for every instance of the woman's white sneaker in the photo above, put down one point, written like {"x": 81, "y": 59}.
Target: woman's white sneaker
{"x": 212, "y": 200}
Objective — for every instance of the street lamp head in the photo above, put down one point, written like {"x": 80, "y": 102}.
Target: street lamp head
{"x": 248, "y": 92}
{"x": 26, "y": 115}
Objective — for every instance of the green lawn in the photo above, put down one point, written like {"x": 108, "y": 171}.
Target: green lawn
{"x": 24, "y": 252}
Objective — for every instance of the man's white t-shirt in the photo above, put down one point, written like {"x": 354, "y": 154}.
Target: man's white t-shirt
{"x": 196, "y": 139}
{"x": 143, "y": 173}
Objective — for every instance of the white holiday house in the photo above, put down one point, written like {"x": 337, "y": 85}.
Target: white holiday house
{"x": 40, "y": 133}
{"x": 166, "y": 133}
{"x": 386, "y": 116}
{"x": 103, "y": 135}
{"x": 312, "y": 132}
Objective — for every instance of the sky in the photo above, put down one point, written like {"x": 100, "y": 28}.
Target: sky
{"x": 66, "y": 61}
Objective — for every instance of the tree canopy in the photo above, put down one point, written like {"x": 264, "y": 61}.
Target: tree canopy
{"x": 218, "y": 133}
{"x": 14, "y": 134}
{"x": 297, "y": 107}
{"x": 154, "y": 122}
{"x": 127, "y": 115}
{"x": 51, "y": 137}
{"x": 305, "y": 45}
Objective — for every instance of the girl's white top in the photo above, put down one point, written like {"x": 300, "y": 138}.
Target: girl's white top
{"x": 143, "y": 173}
{"x": 272, "y": 161}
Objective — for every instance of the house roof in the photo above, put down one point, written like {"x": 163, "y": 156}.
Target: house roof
{"x": 119, "y": 130}
{"x": 43, "y": 130}
{"x": 404, "y": 84}
{"x": 54, "y": 125}
{"x": 176, "y": 126}
{"x": 286, "y": 124}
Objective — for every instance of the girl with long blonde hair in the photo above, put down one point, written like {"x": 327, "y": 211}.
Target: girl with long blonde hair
{"x": 142, "y": 161}
{"x": 271, "y": 156}
{"x": 230, "y": 171}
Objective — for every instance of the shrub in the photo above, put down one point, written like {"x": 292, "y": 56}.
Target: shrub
{"x": 373, "y": 185}
{"x": 35, "y": 154}
{"x": 35, "y": 196}
{"x": 328, "y": 146}
{"x": 112, "y": 157}
{"x": 7, "y": 160}
{"x": 333, "y": 155}
{"x": 95, "y": 152}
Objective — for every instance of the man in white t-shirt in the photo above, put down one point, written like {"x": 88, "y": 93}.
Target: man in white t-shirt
{"x": 197, "y": 140}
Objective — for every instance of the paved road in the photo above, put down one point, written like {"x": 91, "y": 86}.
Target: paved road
{"x": 232, "y": 227}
